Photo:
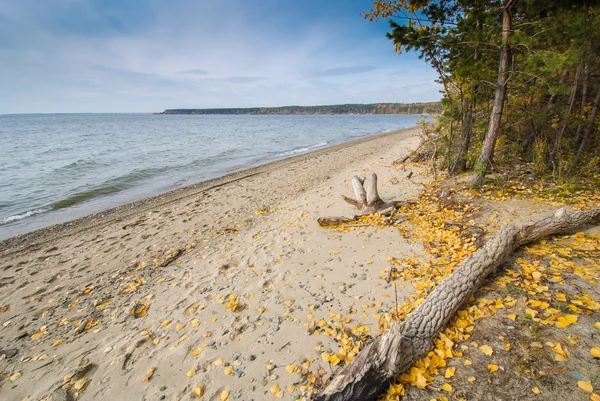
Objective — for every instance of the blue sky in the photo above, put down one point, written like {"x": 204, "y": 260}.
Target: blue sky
{"x": 149, "y": 55}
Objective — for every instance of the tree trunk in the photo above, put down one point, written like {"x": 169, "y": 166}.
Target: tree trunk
{"x": 484, "y": 161}
{"x": 460, "y": 161}
{"x": 584, "y": 91}
{"x": 588, "y": 130}
{"x": 557, "y": 143}
{"x": 388, "y": 355}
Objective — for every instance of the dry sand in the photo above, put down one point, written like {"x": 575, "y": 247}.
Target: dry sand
{"x": 67, "y": 292}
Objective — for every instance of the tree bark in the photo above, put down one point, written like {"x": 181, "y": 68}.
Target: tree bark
{"x": 588, "y": 130}
{"x": 555, "y": 155}
{"x": 484, "y": 161}
{"x": 584, "y": 91}
{"x": 388, "y": 355}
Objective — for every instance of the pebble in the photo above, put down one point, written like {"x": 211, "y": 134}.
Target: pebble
{"x": 252, "y": 357}
{"x": 236, "y": 356}
{"x": 163, "y": 388}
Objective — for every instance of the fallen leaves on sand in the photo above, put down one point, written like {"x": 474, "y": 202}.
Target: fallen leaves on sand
{"x": 191, "y": 373}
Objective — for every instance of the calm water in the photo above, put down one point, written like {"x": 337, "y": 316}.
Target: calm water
{"x": 54, "y": 168}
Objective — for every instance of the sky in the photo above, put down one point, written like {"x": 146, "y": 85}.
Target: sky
{"x": 77, "y": 56}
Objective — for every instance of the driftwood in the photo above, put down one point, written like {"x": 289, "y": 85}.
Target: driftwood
{"x": 390, "y": 354}
{"x": 367, "y": 201}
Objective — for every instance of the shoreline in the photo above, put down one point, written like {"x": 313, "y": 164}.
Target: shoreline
{"x": 117, "y": 213}
{"x": 205, "y": 286}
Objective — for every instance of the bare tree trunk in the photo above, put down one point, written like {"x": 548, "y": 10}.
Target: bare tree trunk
{"x": 536, "y": 131}
{"x": 557, "y": 143}
{"x": 484, "y": 161}
{"x": 584, "y": 91}
{"x": 588, "y": 131}
{"x": 460, "y": 161}
{"x": 387, "y": 356}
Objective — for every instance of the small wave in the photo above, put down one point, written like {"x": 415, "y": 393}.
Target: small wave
{"x": 22, "y": 216}
{"x": 110, "y": 187}
{"x": 301, "y": 150}
{"x": 79, "y": 165}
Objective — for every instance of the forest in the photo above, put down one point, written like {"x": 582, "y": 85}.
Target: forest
{"x": 521, "y": 81}
{"x": 375, "y": 108}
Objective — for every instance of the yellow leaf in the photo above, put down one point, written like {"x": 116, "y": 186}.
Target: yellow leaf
{"x": 224, "y": 395}
{"x": 218, "y": 362}
{"x": 492, "y": 368}
{"x": 57, "y": 343}
{"x": 80, "y": 384}
{"x": 597, "y": 325}
{"x": 467, "y": 362}
{"x": 214, "y": 319}
{"x": 449, "y": 372}
{"x": 565, "y": 321}
{"x": 228, "y": 370}
{"x": 199, "y": 391}
{"x": 471, "y": 379}
{"x": 536, "y": 390}
{"x": 512, "y": 317}
{"x": 275, "y": 388}
{"x": 585, "y": 386}
{"x": 421, "y": 381}
{"x": 292, "y": 368}
{"x": 561, "y": 298}
{"x": 166, "y": 323}
{"x": 486, "y": 349}
{"x": 446, "y": 387}
{"x": 148, "y": 375}
{"x": 595, "y": 352}
{"x": 191, "y": 373}
{"x": 594, "y": 397}
{"x": 536, "y": 275}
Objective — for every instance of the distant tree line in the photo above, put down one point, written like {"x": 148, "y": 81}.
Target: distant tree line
{"x": 375, "y": 108}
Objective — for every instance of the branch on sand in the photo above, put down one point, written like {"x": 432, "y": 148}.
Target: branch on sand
{"x": 367, "y": 201}
{"x": 390, "y": 354}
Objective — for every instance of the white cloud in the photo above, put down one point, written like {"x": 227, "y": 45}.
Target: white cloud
{"x": 192, "y": 54}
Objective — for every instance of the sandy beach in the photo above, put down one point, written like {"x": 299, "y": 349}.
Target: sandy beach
{"x": 214, "y": 290}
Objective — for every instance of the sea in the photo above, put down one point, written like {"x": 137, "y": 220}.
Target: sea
{"x": 58, "y": 167}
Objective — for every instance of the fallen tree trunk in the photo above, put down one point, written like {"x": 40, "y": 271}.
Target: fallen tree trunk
{"x": 387, "y": 356}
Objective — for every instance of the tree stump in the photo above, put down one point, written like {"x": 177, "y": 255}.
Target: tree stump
{"x": 367, "y": 201}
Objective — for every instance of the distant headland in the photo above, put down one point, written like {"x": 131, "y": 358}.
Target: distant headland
{"x": 374, "y": 108}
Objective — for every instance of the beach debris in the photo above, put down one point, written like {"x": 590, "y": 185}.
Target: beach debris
{"x": 367, "y": 201}
{"x": 140, "y": 309}
{"x": 149, "y": 374}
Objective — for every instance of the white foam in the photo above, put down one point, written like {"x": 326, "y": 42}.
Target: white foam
{"x": 302, "y": 150}
{"x": 22, "y": 216}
